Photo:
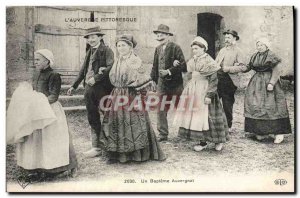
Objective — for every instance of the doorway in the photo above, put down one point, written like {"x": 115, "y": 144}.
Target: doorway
{"x": 210, "y": 27}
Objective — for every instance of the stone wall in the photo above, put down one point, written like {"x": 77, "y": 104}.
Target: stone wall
{"x": 16, "y": 68}
{"x": 276, "y": 23}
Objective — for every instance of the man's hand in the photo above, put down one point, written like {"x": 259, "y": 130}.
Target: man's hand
{"x": 207, "y": 101}
{"x": 270, "y": 87}
{"x": 91, "y": 81}
{"x": 176, "y": 63}
{"x": 69, "y": 92}
{"x": 163, "y": 73}
{"x": 101, "y": 70}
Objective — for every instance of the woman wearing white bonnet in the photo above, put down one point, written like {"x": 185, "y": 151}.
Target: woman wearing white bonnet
{"x": 208, "y": 123}
{"x": 43, "y": 143}
{"x": 47, "y": 54}
{"x": 264, "y": 41}
{"x": 266, "y": 112}
{"x": 199, "y": 40}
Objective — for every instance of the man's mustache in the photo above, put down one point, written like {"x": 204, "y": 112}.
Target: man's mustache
{"x": 160, "y": 39}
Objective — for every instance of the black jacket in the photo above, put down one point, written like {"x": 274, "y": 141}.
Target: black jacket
{"x": 172, "y": 52}
{"x": 104, "y": 57}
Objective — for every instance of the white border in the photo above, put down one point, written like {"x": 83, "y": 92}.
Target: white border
{"x": 109, "y": 2}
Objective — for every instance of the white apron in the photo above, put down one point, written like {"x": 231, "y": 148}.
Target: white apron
{"x": 190, "y": 118}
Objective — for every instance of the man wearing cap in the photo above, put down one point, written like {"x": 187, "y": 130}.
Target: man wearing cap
{"x": 230, "y": 56}
{"x": 168, "y": 65}
{"x": 95, "y": 76}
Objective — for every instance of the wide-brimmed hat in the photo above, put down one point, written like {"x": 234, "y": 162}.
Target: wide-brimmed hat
{"x": 163, "y": 29}
{"x": 233, "y": 33}
{"x": 94, "y": 30}
{"x": 127, "y": 38}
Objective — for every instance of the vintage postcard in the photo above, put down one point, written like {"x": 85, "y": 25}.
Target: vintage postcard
{"x": 193, "y": 99}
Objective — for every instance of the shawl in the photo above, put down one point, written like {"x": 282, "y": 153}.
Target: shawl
{"x": 130, "y": 72}
{"x": 203, "y": 64}
{"x": 264, "y": 61}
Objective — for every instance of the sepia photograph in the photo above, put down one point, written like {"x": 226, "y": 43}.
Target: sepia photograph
{"x": 152, "y": 99}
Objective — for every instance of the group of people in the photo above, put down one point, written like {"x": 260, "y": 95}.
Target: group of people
{"x": 127, "y": 135}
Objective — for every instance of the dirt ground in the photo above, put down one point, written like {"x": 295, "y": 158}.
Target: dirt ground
{"x": 240, "y": 155}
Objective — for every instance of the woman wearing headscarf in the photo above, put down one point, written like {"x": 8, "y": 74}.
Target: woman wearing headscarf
{"x": 37, "y": 124}
{"x": 266, "y": 112}
{"x": 127, "y": 134}
{"x": 206, "y": 121}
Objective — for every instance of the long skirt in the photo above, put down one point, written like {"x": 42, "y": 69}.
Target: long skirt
{"x": 49, "y": 149}
{"x": 265, "y": 111}
{"x": 205, "y": 122}
{"x": 127, "y": 135}
{"x": 40, "y": 132}
{"x": 218, "y": 128}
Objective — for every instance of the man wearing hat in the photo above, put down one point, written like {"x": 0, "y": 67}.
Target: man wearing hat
{"x": 168, "y": 65}
{"x": 95, "y": 76}
{"x": 230, "y": 56}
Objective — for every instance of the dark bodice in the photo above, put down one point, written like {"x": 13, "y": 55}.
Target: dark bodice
{"x": 47, "y": 82}
{"x": 264, "y": 62}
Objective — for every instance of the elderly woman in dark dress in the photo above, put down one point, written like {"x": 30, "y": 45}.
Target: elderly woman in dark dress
{"x": 127, "y": 134}
{"x": 266, "y": 112}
